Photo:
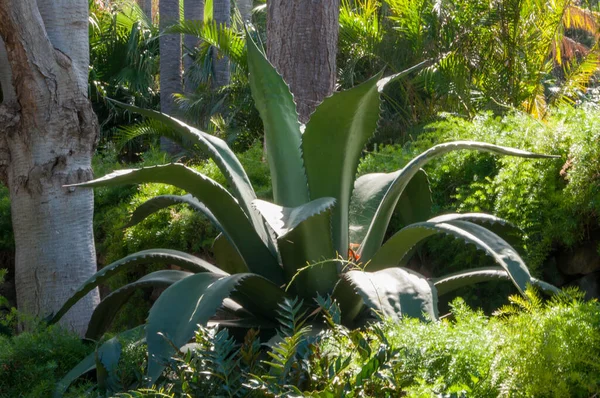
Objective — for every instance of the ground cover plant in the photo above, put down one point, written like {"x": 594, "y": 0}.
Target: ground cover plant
{"x": 300, "y": 250}
{"x": 530, "y": 348}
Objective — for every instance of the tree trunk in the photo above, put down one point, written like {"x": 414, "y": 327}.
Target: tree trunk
{"x": 194, "y": 11}
{"x": 245, "y": 7}
{"x": 302, "y": 38}
{"x": 47, "y": 136}
{"x": 222, "y": 16}
{"x": 170, "y": 65}
{"x": 146, "y": 6}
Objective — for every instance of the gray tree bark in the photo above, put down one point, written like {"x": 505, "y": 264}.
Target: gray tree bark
{"x": 302, "y": 38}
{"x": 222, "y": 16}
{"x": 146, "y": 6}
{"x": 170, "y": 64}
{"x": 245, "y": 7}
{"x": 194, "y": 11}
{"x": 48, "y": 132}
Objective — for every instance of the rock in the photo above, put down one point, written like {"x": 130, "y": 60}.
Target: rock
{"x": 590, "y": 284}
{"x": 581, "y": 261}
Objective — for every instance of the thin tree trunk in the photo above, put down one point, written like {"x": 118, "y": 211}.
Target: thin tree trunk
{"x": 194, "y": 11}
{"x": 170, "y": 65}
{"x": 302, "y": 38}
{"x": 146, "y": 6}
{"x": 47, "y": 137}
{"x": 245, "y": 7}
{"x": 222, "y": 16}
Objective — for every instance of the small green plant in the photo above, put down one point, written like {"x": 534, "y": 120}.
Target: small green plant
{"x": 297, "y": 246}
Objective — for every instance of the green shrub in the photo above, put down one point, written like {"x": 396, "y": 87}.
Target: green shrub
{"x": 529, "y": 349}
{"x": 556, "y": 204}
{"x": 32, "y": 362}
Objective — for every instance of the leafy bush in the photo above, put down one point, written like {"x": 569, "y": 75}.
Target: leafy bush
{"x": 529, "y": 349}
{"x": 32, "y": 362}
{"x": 555, "y": 204}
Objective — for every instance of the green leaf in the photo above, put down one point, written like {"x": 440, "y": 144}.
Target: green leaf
{"x": 193, "y": 301}
{"x": 153, "y": 256}
{"x": 394, "y": 292}
{"x": 157, "y": 203}
{"x": 223, "y": 157}
{"x": 305, "y": 244}
{"x": 449, "y": 283}
{"x": 501, "y": 227}
{"x": 393, "y": 251}
{"x": 106, "y": 311}
{"x": 227, "y": 256}
{"x": 220, "y": 203}
{"x": 378, "y": 226}
{"x": 332, "y": 145}
{"x": 277, "y": 110}
{"x": 414, "y": 204}
{"x": 106, "y": 353}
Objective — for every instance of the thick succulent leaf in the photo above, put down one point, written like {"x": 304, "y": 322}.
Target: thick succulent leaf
{"x": 222, "y": 155}
{"x": 501, "y": 227}
{"x": 157, "y": 203}
{"x": 381, "y": 84}
{"x": 396, "y": 248}
{"x": 449, "y": 283}
{"x": 277, "y": 109}
{"x": 106, "y": 311}
{"x": 226, "y": 253}
{"x": 414, "y": 204}
{"x": 153, "y": 256}
{"x": 106, "y": 354}
{"x": 193, "y": 301}
{"x": 304, "y": 237}
{"x": 227, "y": 257}
{"x": 284, "y": 219}
{"x": 378, "y": 226}
{"x": 220, "y": 203}
{"x": 332, "y": 145}
{"x": 393, "y": 293}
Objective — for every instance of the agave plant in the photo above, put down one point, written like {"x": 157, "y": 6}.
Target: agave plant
{"x": 297, "y": 245}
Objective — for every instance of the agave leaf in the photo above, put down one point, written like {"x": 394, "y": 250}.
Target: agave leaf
{"x": 414, "y": 204}
{"x": 392, "y": 292}
{"x": 396, "y": 248}
{"x": 449, "y": 283}
{"x": 216, "y": 198}
{"x": 231, "y": 261}
{"x": 378, "y": 226}
{"x": 160, "y": 202}
{"x": 222, "y": 155}
{"x": 153, "y": 256}
{"x": 304, "y": 238}
{"x": 277, "y": 110}
{"x": 284, "y": 219}
{"x": 332, "y": 145}
{"x": 106, "y": 353}
{"x": 227, "y": 256}
{"x": 106, "y": 311}
{"x": 193, "y": 301}
{"x": 501, "y": 227}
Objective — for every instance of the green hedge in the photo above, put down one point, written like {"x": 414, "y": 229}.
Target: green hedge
{"x": 555, "y": 203}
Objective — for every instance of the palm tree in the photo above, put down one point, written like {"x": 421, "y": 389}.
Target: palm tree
{"x": 222, "y": 16}
{"x": 146, "y": 6}
{"x": 170, "y": 64}
{"x": 48, "y": 131}
{"x": 194, "y": 11}
{"x": 245, "y": 7}
{"x": 302, "y": 38}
